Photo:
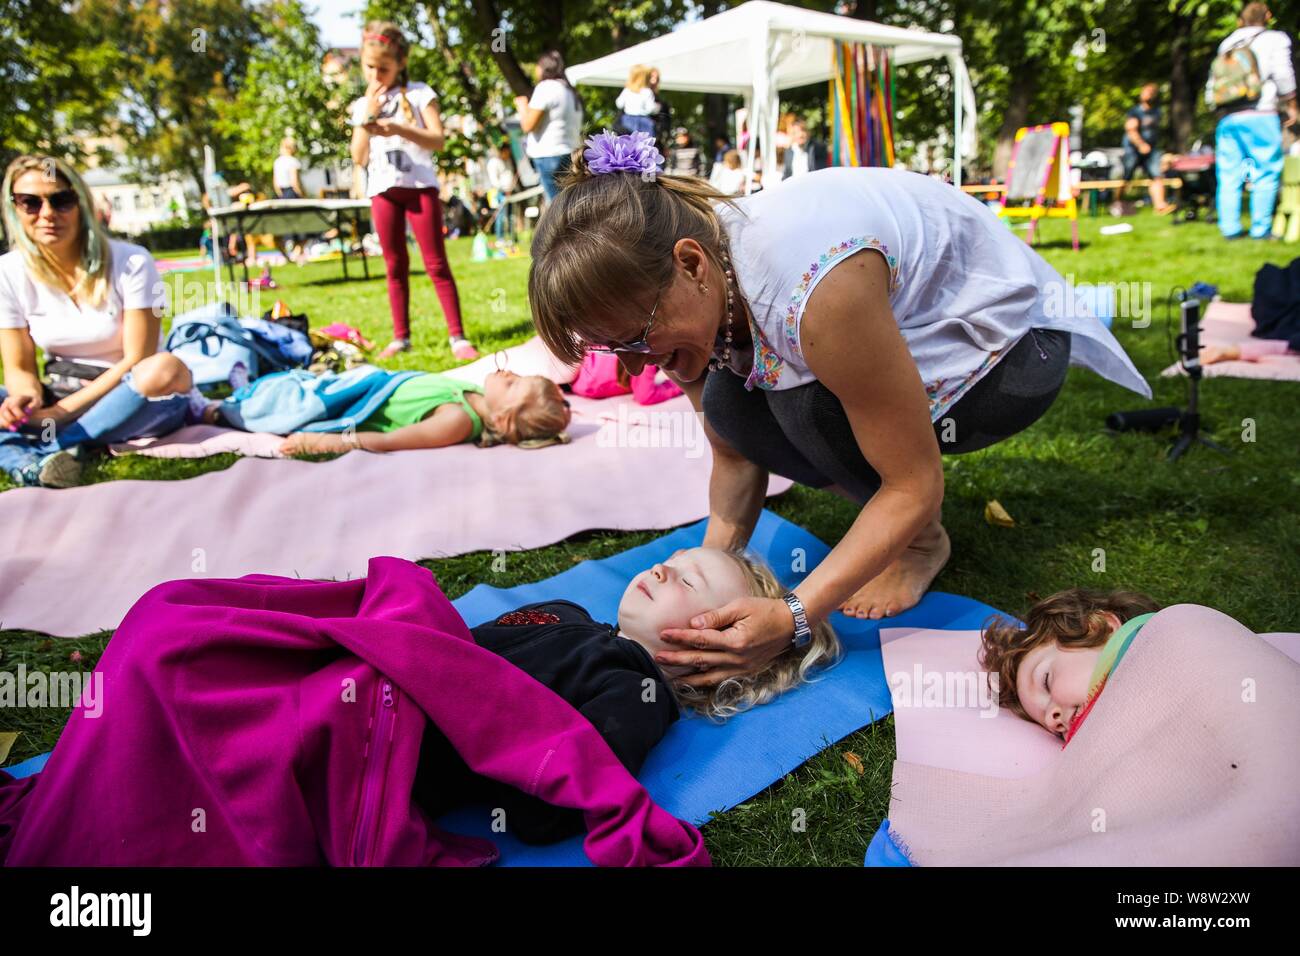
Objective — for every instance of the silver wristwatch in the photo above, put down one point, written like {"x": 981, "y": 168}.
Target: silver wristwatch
{"x": 802, "y": 632}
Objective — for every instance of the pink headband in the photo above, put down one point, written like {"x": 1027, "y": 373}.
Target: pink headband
{"x": 376, "y": 36}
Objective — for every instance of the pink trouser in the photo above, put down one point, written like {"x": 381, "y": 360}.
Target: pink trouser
{"x": 390, "y": 211}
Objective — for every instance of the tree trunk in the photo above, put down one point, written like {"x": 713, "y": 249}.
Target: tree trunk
{"x": 1019, "y": 97}
{"x": 1182, "y": 92}
{"x": 489, "y": 19}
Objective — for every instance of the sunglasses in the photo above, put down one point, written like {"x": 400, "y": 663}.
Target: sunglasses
{"x": 61, "y": 201}
{"x": 641, "y": 346}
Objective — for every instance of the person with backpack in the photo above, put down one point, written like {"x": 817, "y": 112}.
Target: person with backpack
{"x": 1249, "y": 79}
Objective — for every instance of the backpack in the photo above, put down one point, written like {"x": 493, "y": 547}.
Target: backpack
{"x": 1234, "y": 76}
{"x": 211, "y": 342}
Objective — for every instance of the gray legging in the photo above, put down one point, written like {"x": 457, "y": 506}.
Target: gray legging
{"x": 804, "y": 434}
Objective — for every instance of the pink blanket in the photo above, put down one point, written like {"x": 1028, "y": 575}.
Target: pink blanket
{"x": 975, "y": 784}
{"x": 627, "y": 468}
{"x": 1227, "y": 323}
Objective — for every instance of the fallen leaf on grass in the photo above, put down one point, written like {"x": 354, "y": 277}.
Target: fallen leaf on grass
{"x": 6, "y": 744}
{"x": 854, "y": 761}
{"x": 997, "y": 515}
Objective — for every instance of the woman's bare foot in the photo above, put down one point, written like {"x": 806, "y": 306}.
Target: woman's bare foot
{"x": 903, "y": 583}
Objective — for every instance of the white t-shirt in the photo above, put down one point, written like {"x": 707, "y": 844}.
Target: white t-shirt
{"x": 638, "y": 103}
{"x": 963, "y": 287}
{"x": 89, "y": 335}
{"x": 559, "y": 131}
{"x": 394, "y": 161}
{"x": 282, "y": 171}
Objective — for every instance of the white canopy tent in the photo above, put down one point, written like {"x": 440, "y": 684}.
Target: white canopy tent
{"x": 759, "y": 48}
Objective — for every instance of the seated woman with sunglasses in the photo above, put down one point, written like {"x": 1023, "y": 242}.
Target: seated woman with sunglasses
{"x": 94, "y": 305}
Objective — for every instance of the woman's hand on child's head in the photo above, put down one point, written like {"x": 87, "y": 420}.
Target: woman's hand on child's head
{"x": 742, "y": 637}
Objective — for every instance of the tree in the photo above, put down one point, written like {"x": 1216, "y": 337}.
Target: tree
{"x": 181, "y": 59}
{"x": 57, "y": 80}
{"x": 283, "y": 93}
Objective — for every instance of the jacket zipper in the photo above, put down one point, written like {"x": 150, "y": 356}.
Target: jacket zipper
{"x": 373, "y": 775}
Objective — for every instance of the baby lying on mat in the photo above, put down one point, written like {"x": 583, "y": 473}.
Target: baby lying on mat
{"x": 1051, "y": 670}
{"x": 427, "y": 410}
{"x": 608, "y": 673}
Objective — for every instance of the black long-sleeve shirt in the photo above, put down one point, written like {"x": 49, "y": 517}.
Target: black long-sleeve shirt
{"x": 610, "y": 680}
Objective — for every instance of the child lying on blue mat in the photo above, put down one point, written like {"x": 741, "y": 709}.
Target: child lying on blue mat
{"x": 608, "y": 673}
{"x": 1051, "y": 670}
{"x": 374, "y": 410}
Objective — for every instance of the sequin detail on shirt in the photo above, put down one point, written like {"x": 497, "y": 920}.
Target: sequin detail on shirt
{"x": 529, "y": 617}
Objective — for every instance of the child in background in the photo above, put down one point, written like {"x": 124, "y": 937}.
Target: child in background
{"x": 1051, "y": 670}
{"x": 637, "y": 103}
{"x": 433, "y": 411}
{"x": 608, "y": 673}
{"x": 396, "y": 128}
{"x": 602, "y": 375}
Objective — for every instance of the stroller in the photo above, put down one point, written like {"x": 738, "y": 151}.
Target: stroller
{"x": 1196, "y": 170}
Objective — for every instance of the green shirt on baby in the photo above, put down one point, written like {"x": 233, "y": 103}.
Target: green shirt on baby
{"x": 417, "y": 397}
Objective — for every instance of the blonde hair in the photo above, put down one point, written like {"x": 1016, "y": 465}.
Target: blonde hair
{"x": 539, "y": 420}
{"x": 795, "y": 666}
{"x": 288, "y": 144}
{"x": 95, "y": 259}
{"x": 387, "y": 37}
{"x": 731, "y": 159}
{"x": 637, "y": 77}
{"x": 1074, "y": 618}
{"x": 607, "y": 237}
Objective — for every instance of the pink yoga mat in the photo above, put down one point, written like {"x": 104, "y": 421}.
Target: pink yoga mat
{"x": 77, "y": 559}
{"x": 953, "y": 733}
{"x": 1227, "y": 323}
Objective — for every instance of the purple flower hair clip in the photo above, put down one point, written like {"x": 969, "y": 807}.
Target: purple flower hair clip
{"x": 630, "y": 153}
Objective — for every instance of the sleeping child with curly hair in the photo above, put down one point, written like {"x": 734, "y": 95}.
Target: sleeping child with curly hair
{"x": 1051, "y": 670}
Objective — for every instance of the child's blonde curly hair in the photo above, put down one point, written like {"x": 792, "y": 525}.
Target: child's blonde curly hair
{"x": 1073, "y": 619}
{"x": 795, "y": 666}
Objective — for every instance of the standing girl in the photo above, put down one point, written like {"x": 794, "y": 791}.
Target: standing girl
{"x": 396, "y": 128}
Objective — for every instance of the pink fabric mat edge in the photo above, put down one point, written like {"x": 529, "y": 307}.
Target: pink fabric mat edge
{"x": 1226, "y": 323}
{"x": 953, "y": 737}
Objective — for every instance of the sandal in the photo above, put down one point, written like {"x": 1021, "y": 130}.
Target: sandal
{"x": 463, "y": 349}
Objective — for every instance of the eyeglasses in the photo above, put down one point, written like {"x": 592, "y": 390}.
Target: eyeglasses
{"x": 61, "y": 201}
{"x": 640, "y": 346}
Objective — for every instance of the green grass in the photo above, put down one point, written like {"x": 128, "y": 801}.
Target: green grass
{"x": 1212, "y": 529}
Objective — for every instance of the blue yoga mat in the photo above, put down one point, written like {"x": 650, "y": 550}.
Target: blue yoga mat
{"x": 700, "y": 767}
